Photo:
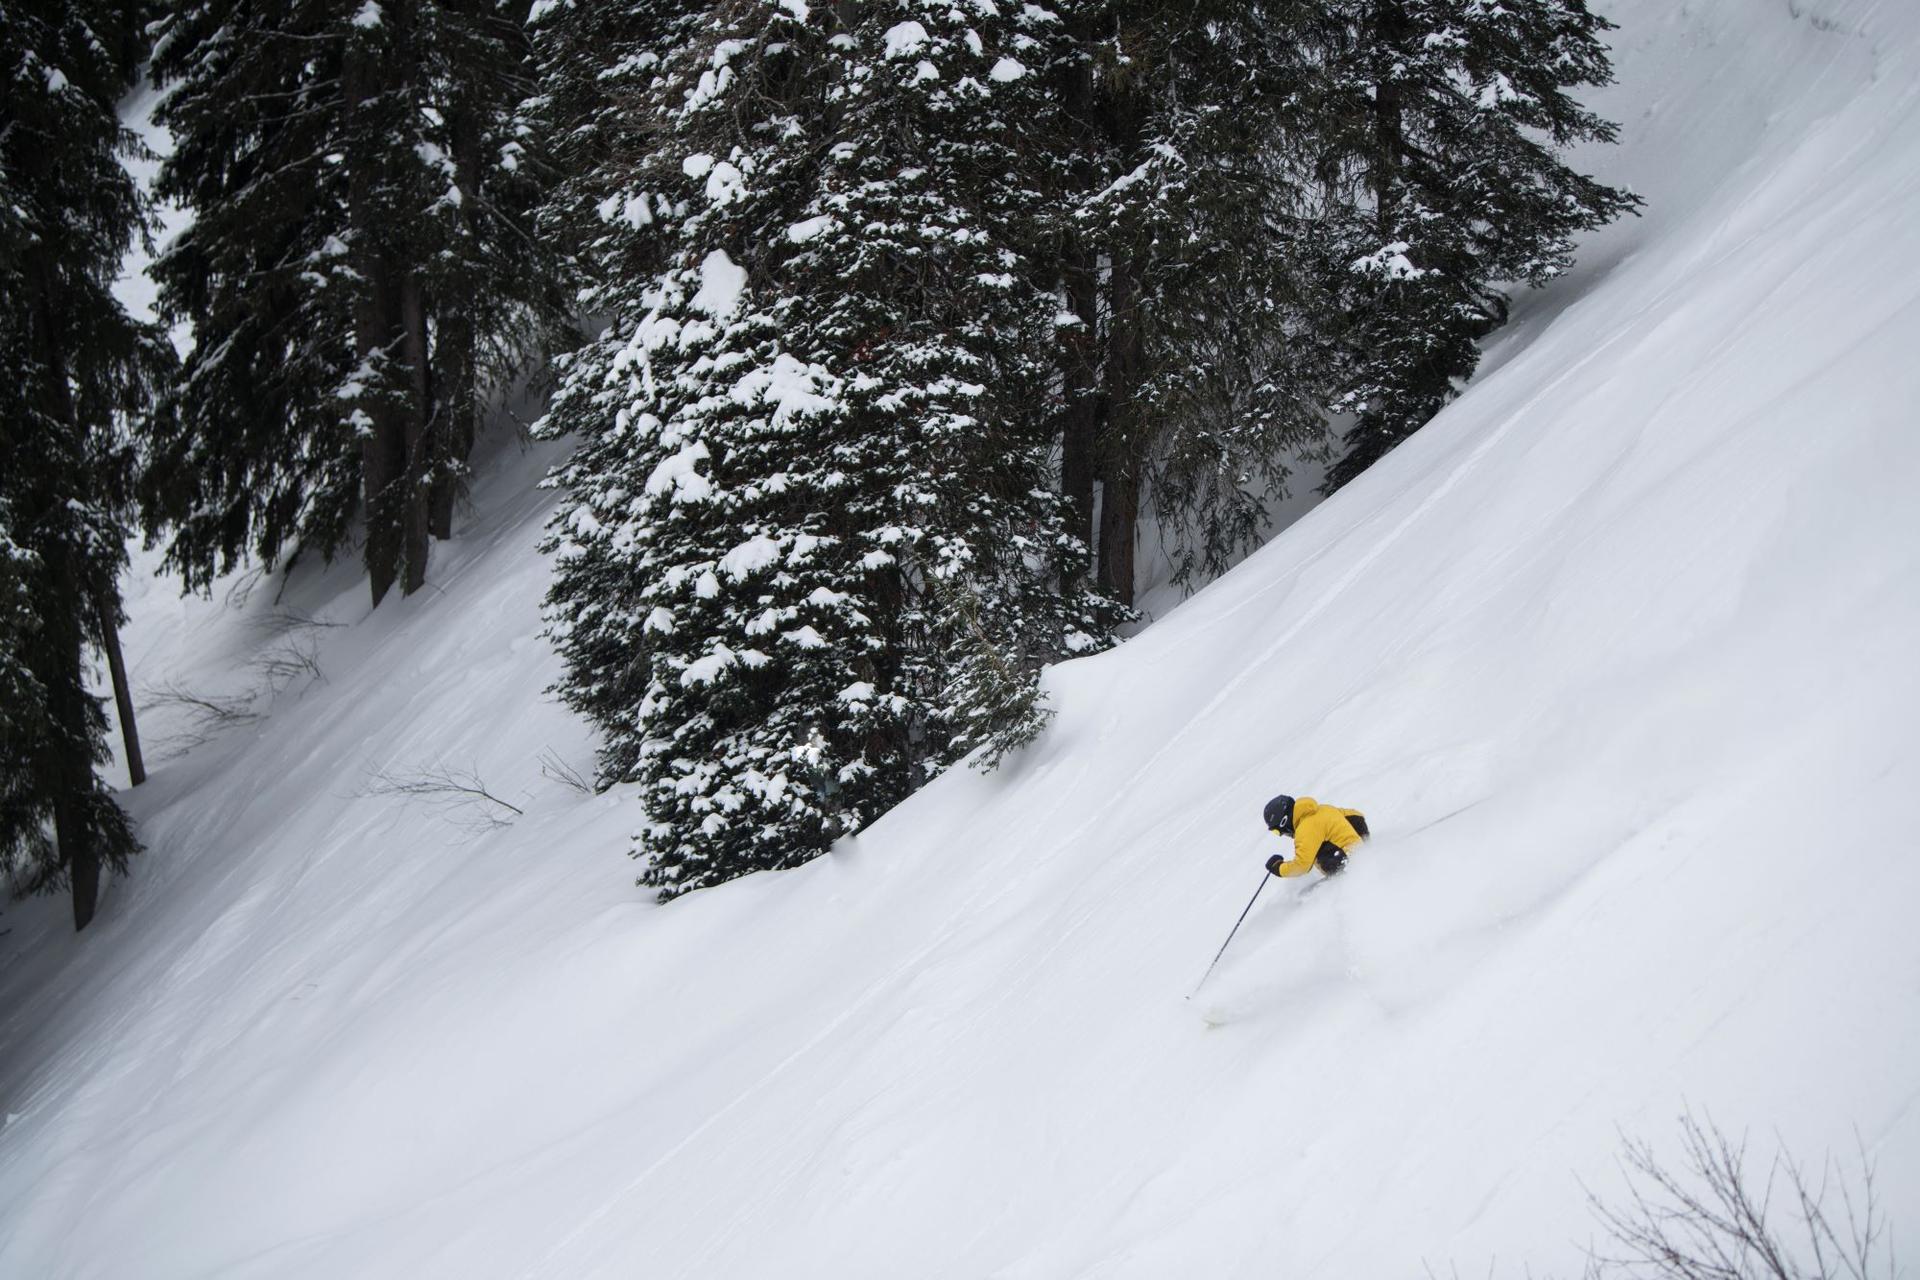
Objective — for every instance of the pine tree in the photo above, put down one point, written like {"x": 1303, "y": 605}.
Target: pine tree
{"x": 915, "y": 268}
{"x": 251, "y": 455}
{"x": 1191, "y": 374}
{"x": 26, "y": 714}
{"x": 359, "y": 272}
{"x": 496, "y": 289}
{"x": 76, "y": 369}
{"x": 807, "y": 554}
{"x": 1440, "y": 130}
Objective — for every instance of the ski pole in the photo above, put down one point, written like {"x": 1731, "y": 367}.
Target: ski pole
{"x": 1265, "y": 876}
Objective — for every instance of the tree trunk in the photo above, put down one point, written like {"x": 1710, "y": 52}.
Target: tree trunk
{"x": 81, "y": 858}
{"x": 1119, "y": 519}
{"x": 72, "y": 772}
{"x": 1080, "y": 421}
{"x": 1083, "y": 413}
{"x": 63, "y": 635}
{"x": 383, "y": 459}
{"x": 453, "y": 341}
{"x": 458, "y": 413}
{"x": 1123, "y": 452}
{"x": 1389, "y": 25}
{"x": 122, "y": 696}
{"x": 1124, "y": 439}
{"x": 73, "y": 829}
{"x": 383, "y": 450}
{"x": 421, "y": 449}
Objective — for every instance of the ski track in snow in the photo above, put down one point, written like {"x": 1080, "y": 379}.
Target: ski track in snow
{"x": 1616, "y": 653}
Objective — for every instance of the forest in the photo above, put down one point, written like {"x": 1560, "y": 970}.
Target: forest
{"x": 881, "y": 330}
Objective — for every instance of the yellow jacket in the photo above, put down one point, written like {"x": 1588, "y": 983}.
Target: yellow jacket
{"x": 1315, "y": 824}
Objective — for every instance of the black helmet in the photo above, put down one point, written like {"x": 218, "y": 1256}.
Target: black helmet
{"x": 1279, "y": 814}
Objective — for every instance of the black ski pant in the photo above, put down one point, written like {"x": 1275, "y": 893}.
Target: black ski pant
{"x": 1332, "y": 857}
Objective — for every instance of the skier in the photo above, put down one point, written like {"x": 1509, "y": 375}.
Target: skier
{"x": 1323, "y": 835}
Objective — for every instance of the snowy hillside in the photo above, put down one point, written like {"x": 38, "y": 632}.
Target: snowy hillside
{"x": 1617, "y": 654}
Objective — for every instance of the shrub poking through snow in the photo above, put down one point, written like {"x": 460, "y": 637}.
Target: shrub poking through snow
{"x": 1712, "y": 1217}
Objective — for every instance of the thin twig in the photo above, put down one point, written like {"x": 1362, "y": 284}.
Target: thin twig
{"x": 1711, "y": 1218}
{"x": 206, "y": 710}
{"x": 552, "y": 766}
{"x": 459, "y": 790}
{"x": 283, "y": 664}
{"x": 283, "y": 622}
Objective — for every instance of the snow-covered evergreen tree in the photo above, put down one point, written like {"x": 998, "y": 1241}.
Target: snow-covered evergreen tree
{"x": 359, "y": 271}
{"x": 73, "y": 368}
{"x": 1440, "y": 128}
{"x": 807, "y": 556}
{"x": 917, "y": 278}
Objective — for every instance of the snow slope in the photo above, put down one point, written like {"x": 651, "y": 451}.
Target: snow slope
{"x": 1617, "y": 654}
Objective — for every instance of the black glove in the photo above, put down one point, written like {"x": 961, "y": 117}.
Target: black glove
{"x": 1275, "y": 863}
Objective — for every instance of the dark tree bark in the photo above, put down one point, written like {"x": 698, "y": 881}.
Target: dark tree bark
{"x": 72, "y": 825}
{"x": 419, "y": 435}
{"x": 1389, "y": 23}
{"x": 456, "y": 425}
{"x": 83, "y": 862}
{"x": 63, "y": 636}
{"x": 1080, "y": 376}
{"x": 1123, "y": 450}
{"x": 122, "y": 695}
{"x": 1119, "y": 518}
{"x": 384, "y": 450}
{"x": 454, "y": 353}
{"x": 1081, "y": 356}
{"x": 376, "y": 341}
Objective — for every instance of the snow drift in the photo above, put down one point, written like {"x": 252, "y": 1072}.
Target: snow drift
{"x": 1617, "y": 654}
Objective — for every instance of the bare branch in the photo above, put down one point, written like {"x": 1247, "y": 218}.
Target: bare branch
{"x": 241, "y": 588}
{"x": 207, "y": 708}
{"x": 286, "y": 622}
{"x": 296, "y": 660}
{"x": 461, "y": 792}
{"x": 1710, "y": 1219}
{"x": 207, "y": 714}
{"x": 552, "y": 766}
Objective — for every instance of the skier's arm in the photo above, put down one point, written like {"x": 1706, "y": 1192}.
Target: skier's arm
{"x": 1302, "y": 860}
